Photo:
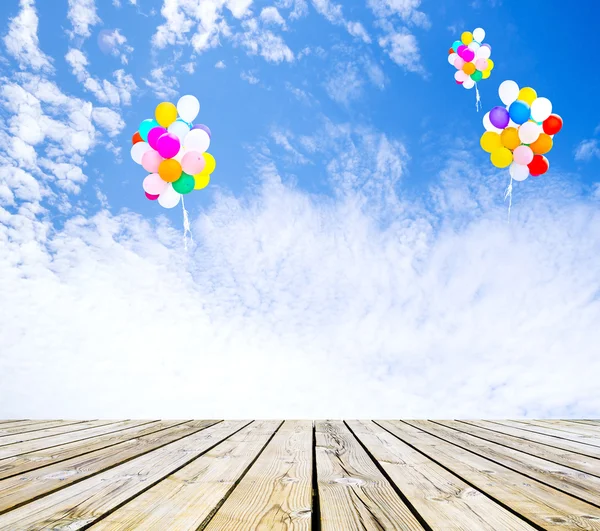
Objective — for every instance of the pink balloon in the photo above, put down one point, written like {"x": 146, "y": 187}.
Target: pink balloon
{"x": 459, "y": 62}
{"x": 168, "y": 145}
{"x": 193, "y": 163}
{"x": 468, "y": 55}
{"x": 460, "y": 76}
{"x": 154, "y": 134}
{"x": 151, "y": 160}
{"x": 154, "y": 185}
{"x": 523, "y": 155}
{"x": 481, "y": 64}
{"x": 151, "y": 197}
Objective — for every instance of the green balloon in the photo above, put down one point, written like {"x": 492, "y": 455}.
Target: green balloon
{"x": 145, "y": 127}
{"x": 477, "y": 75}
{"x": 185, "y": 184}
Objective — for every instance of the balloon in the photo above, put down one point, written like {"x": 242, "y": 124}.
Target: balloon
{"x": 481, "y": 64}
{"x": 154, "y": 184}
{"x": 523, "y": 155}
{"x": 487, "y": 124}
{"x": 553, "y": 124}
{"x": 468, "y": 55}
{"x": 201, "y": 181}
{"x": 510, "y": 138}
{"x": 151, "y": 160}
{"x": 501, "y": 157}
{"x": 458, "y": 82}
{"x": 518, "y": 172}
{"x": 137, "y": 151}
{"x": 527, "y": 94}
{"x": 151, "y": 197}
{"x": 197, "y": 140}
{"x": 169, "y": 170}
{"x": 165, "y": 113}
{"x": 519, "y": 112}
{"x": 484, "y": 51}
{"x": 460, "y": 76}
{"x": 485, "y": 74}
{"x": 211, "y": 163}
{"x": 529, "y": 132}
{"x": 499, "y": 117}
{"x": 466, "y": 37}
{"x": 541, "y": 108}
{"x": 459, "y": 62}
{"x": 456, "y": 45}
{"x": 168, "y": 145}
{"x": 538, "y": 166}
{"x": 542, "y": 145}
{"x": 490, "y": 141}
{"x": 474, "y": 46}
{"x": 188, "y": 107}
{"x": 461, "y": 50}
{"x": 154, "y": 134}
{"x": 451, "y": 58}
{"x": 490, "y": 65}
{"x": 450, "y": 51}
{"x": 180, "y": 155}
{"x": 185, "y": 184}
{"x": 136, "y": 138}
{"x": 169, "y": 197}
{"x": 179, "y": 128}
{"x": 508, "y": 92}
{"x": 145, "y": 128}
{"x": 469, "y": 68}
{"x": 476, "y": 76}
{"x": 192, "y": 163}
{"x": 479, "y": 34}
{"x": 468, "y": 83}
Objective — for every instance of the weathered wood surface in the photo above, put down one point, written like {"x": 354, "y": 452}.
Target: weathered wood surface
{"x": 249, "y": 475}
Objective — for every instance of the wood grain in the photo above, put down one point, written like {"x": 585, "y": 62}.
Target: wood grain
{"x": 31, "y": 426}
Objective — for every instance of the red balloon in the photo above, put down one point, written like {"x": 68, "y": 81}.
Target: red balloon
{"x": 538, "y": 166}
{"x": 151, "y": 197}
{"x": 136, "y": 138}
{"x": 553, "y": 124}
{"x": 459, "y": 82}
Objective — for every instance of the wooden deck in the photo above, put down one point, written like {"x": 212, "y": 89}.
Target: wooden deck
{"x": 350, "y": 475}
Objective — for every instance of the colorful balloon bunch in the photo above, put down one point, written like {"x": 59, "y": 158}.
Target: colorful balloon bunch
{"x": 520, "y": 133}
{"x": 471, "y": 58}
{"x": 173, "y": 151}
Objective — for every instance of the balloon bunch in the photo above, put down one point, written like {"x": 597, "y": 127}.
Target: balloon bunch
{"x": 471, "y": 58}
{"x": 173, "y": 151}
{"x": 520, "y": 133}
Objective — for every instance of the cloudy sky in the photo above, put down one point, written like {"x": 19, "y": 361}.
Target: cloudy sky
{"x": 352, "y": 256}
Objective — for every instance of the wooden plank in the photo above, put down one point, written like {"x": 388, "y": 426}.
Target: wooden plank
{"x": 570, "y": 442}
{"x": 12, "y": 421}
{"x": 11, "y": 440}
{"x": 187, "y": 499}
{"x": 22, "y": 463}
{"x": 354, "y": 495}
{"x": 570, "y": 428}
{"x": 580, "y": 462}
{"x": 437, "y": 495}
{"x": 33, "y": 425}
{"x": 571, "y": 481}
{"x": 276, "y": 492}
{"x": 17, "y": 490}
{"x": 538, "y": 503}
{"x": 80, "y": 505}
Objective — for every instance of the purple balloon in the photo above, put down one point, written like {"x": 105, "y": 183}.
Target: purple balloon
{"x": 154, "y": 134}
{"x": 168, "y": 145}
{"x": 499, "y": 117}
{"x": 204, "y": 128}
{"x": 468, "y": 55}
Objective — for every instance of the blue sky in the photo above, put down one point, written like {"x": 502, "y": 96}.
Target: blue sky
{"x": 353, "y": 222}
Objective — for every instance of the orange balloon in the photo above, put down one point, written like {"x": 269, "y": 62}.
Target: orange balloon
{"x": 510, "y": 138}
{"x": 169, "y": 170}
{"x": 542, "y": 145}
{"x": 136, "y": 138}
{"x": 450, "y": 51}
{"x": 469, "y": 68}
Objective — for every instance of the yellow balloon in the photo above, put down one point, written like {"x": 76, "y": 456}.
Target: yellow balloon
{"x": 501, "y": 157}
{"x": 485, "y": 74}
{"x": 510, "y": 138}
{"x": 490, "y": 141}
{"x": 528, "y": 95}
{"x": 201, "y": 180}
{"x": 166, "y": 113}
{"x": 490, "y": 65}
{"x": 210, "y": 165}
{"x": 467, "y": 37}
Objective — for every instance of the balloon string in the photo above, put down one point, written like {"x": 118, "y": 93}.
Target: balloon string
{"x": 508, "y": 194}
{"x": 186, "y": 225}
{"x": 477, "y": 98}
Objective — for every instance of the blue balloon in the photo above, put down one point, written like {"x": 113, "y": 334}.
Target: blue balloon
{"x": 145, "y": 127}
{"x": 456, "y": 45}
{"x": 519, "y": 112}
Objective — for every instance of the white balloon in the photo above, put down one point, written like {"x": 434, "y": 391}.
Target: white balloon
{"x": 518, "y": 172}
{"x": 188, "y": 107}
{"x": 459, "y": 75}
{"x": 179, "y": 128}
{"x": 488, "y": 124}
{"x": 479, "y": 34}
{"x": 474, "y": 46}
{"x": 169, "y": 197}
{"x": 541, "y": 108}
{"x": 483, "y": 52}
{"x": 469, "y": 83}
{"x": 182, "y": 151}
{"x": 452, "y": 57}
{"x": 137, "y": 151}
{"x": 508, "y": 92}
{"x": 529, "y": 132}
{"x": 511, "y": 123}
{"x": 197, "y": 140}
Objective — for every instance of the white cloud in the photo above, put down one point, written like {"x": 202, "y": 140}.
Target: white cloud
{"x": 587, "y": 150}
{"x": 403, "y": 50}
{"x": 22, "y": 41}
{"x": 162, "y": 83}
{"x": 82, "y": 15}
{"x": 108, "y": 120}
{"x": 301, "y": 95}
{"x": 345, "y": 84}
{"x": 189, "y": 67}
{"x": 263, "y": 42}
{"x": 333, "y": 13}
{"x": 270, "y": 15}
{"x": 115, "y": 43}
{"x": 249, "y": 77}
{"x": 407, "y": 10}
{"x": 220, "y": 64}
{"x": 300, "y": 8}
